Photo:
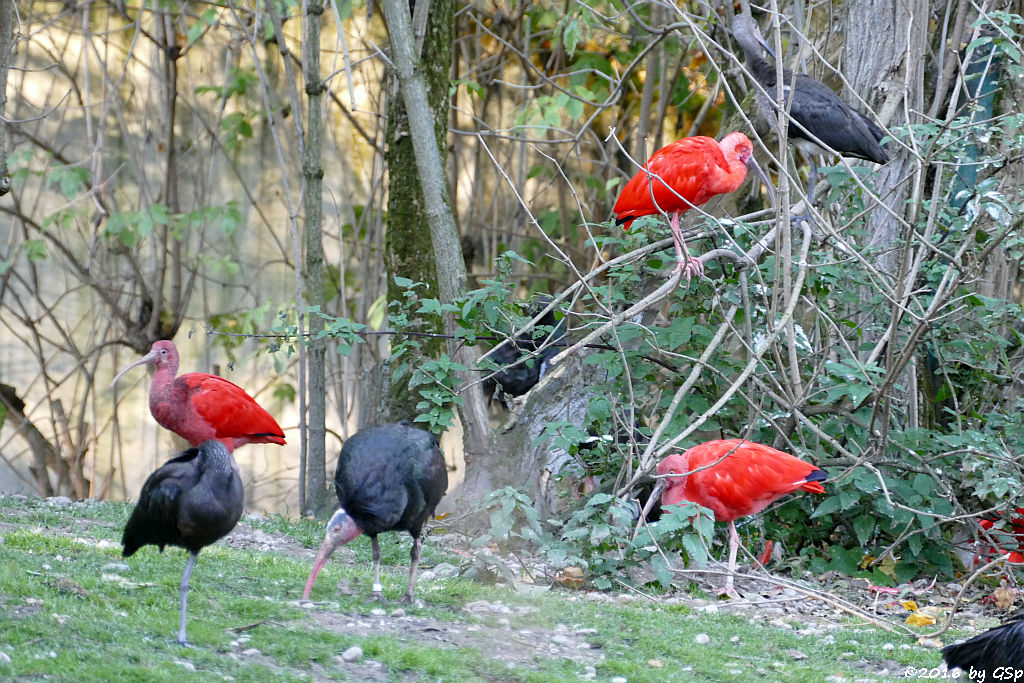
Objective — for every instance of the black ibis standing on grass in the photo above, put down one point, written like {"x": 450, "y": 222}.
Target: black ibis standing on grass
{"x": 998, "y": 652}
{"x": 821, "y": 115}
{"x": 389, "y": 478}
{"x": 191, "y": 501}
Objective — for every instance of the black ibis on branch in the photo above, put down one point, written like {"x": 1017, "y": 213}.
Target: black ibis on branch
{"x": 524, "y": 360}
{"x": 822, "y": 117}
{"x": 998, "y": 652}
{"x": 191, "y": 501}
{"x": 389, "y": 478}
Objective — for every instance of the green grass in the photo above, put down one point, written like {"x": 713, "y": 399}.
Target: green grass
{"x": 64, "y": 617}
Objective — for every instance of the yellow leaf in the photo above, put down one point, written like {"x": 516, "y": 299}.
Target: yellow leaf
{"x": 888, "y": 566}
{"x": 918, "y": 619}
{"x": 866, "y": 561}
{"x": 909, "y": 605}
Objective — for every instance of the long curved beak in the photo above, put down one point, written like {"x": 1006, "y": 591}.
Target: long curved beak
{"x": 756, "y": 168}
{"x": 330, "y": 544}
{"x": 340, "y": 530}
{"x": 148, "y": 358}
{"x": 656, "y": 492}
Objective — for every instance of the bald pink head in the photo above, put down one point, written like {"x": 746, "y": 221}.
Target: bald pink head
{"x": 340, "y": 530}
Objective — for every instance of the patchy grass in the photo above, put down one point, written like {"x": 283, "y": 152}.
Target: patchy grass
{"x": 71, "y": 611}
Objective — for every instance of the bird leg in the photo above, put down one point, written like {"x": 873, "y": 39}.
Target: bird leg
{"x": 685, "y": 262}
{"x": 734, "y": 546}
{"x": 184, "y": 596}
{"x": 417, "y": 544}
{"x": 377, "y": 587}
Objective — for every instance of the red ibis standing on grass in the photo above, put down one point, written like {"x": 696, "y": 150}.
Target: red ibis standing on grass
{"x": 198, "y": 406}
{"x": 734, "y": 478}
{"x": 821, "y": 115}
{"x": 389, "y": 478}
{"x": 682, "y": 175}
{"x": 191, "y": 501}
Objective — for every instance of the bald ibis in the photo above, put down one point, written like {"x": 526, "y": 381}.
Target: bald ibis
{"x": 389, "y": 478}
{"x": 190, "y": 501}
{"x": 524, "y": 360}
{"x": 198, "y": 406}
{"x": 998, "y": 652}
{"x": 734, "y": 478}
{"x": 821, "y": 115}
{"x": 681, "y": 175}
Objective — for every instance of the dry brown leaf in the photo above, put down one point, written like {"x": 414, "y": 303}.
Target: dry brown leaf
{"x": 1004, "y": 598}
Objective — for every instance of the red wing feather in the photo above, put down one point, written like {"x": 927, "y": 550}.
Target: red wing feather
{"x": 230, "y": 410}
{"x": 685, "y": 166}
{"x": 747, "y": 480}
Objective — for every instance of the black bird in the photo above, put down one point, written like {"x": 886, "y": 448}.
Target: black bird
{"x": 389, "y": 478}
{"x": 815, "y": 107}
{"x": 519, "y": 374}
{"x": 191, "y": 501}
{"x": 996, "y": 652}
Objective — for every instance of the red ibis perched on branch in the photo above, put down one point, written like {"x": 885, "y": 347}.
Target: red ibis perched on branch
{"x": 198, "y": 406}
{"x": 682, "y": 175}
{"x": 998, "y": 652}
{"x": 389, "y": 478}
{"x": 734, "y": 478}
{"x": 191, "y": 501}
{"x": 826, "y": 124}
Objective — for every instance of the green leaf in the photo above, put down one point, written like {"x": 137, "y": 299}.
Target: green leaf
{"x": 828, "y": 506}
{"x": 864, "y": 526}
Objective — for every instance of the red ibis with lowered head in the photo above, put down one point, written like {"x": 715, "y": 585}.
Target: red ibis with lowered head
{"x": 191, "y": 501}
{"x": 389, "y": 478}
{"x": 734, "y": 478}
{"x": 684, "y": 174}
{"x": 198, "y": 406}
{"x": 821, "y": 115}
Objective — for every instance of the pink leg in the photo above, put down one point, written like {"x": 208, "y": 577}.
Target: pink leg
{"x": 688, "y": 264}
{"x": 734, "y": 546}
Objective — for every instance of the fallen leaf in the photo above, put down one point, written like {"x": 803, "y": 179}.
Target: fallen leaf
{"x": 920, "y": 619}
{"x": 909, "y": 605}
{"x": 655, "y": 663}
{"x": 1004, "y": 598}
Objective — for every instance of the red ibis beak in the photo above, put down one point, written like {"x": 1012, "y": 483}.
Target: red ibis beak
{"x": 656, "y": 492}
{"x": 752, "y": 164}
{"x": 147, "y": 359}
{"x": 340, "y": 530}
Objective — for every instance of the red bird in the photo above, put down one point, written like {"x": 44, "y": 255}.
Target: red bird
{"x": 734, "y": 478}
{"x": 198, "y": 407}
{"x": 682, "y": 175}
{"x": 1014, "y": 528}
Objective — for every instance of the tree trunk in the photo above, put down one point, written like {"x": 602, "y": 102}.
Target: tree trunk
{"x": 6, "y": 47}
{"x": 407, "y": 241}
{"x": 884, "y": 58}
{"x": 318, "y": 496}
{"x": 451, "y": 269}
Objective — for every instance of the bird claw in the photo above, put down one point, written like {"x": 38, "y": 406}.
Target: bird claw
{"x": 730, "y": 592}
{"x": 690, "y": 267}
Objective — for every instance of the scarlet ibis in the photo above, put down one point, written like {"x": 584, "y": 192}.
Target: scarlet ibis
{"x": 519, "y": 374}
{"x": 821, "y": 115}
{"x": 734, "y": 478}
{"x": 389, "y": 478}
{"x": 998, "y": 652}
{"x": 198, "y": 406}
{"x": 1014, "y": 528}
{"x": 191, "y": 501}
{"x": 684, "y": 174}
